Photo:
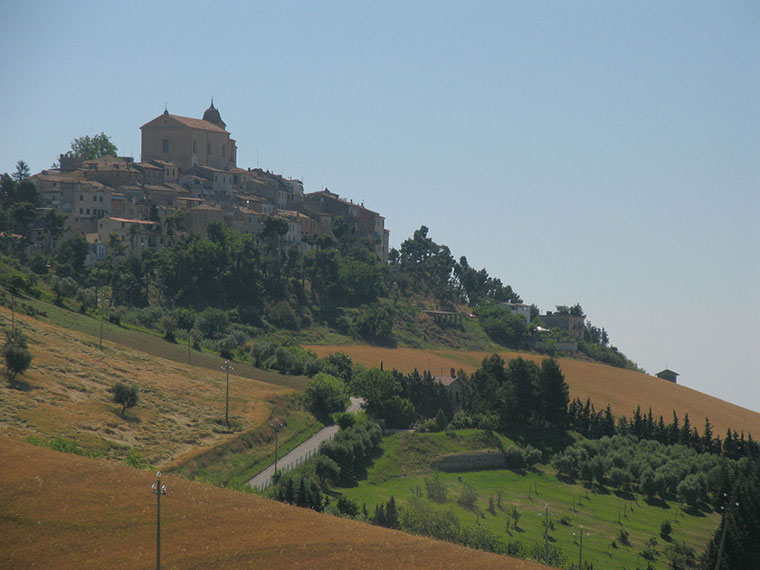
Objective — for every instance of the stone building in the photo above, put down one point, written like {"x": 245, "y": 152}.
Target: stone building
{"x": 189, "y": 142}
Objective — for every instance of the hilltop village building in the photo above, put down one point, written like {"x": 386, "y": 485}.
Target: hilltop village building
{"x": 190, "y": 165}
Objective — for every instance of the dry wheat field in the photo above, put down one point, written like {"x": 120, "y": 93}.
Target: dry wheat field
{"x": 622, "y": 389}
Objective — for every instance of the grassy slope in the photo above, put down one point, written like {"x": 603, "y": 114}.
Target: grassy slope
{"x": 622, "y": 389}
{"x": 151, "y": 343}
{"x": 65, "y": 512}
{"x": 180, "y": 408}
{"x": 400, "y": 472}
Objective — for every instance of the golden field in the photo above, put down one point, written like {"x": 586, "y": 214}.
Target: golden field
{"x": 179, "y": 406}
{"x": 622, "y": 389}
{"x": 66, "y": 512}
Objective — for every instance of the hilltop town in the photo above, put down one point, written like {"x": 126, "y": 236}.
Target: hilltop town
{"x": 187, "y": 178}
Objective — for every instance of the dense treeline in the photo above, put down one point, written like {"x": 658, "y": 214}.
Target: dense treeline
{"x": 344, "y": 460}
{"x": 400, "y": 400}
{"x": 593, "y": 424}
{"x": 516, "y": 395}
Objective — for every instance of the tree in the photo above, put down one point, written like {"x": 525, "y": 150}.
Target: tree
{"x": 70, "y": 257}
{"x": 17, "y": 355}
{"x": 89, "y": 148}
{"x": 325, "y": 395}
{"x": 125, "y": 395}
{"x": 502, "y": 325}
{"x": 22, "y": 171}
{"x": 554, "y": 394}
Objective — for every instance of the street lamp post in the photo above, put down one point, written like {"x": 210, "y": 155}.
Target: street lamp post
{"x": 158, "y": 490}
{"x": 580, "y": 556}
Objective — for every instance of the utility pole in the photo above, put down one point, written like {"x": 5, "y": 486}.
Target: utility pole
{"x": 227, "y": 400}
{"x": 99, "y": 300}
{"x": 546, "y": 533}
{"x": 276, "y": 424}
{"x": 723, "y": 535}
{"x": 13, "y": 315}
{"x": 158, "y": 490}
{"x": 580, "y": 556}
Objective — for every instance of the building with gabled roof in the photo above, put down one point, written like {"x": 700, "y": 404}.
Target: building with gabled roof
{"x": 189, "y": 142}
{"x": 668, "y": 375}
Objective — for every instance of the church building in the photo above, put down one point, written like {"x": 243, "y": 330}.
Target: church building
{"x": 189, "y": 142}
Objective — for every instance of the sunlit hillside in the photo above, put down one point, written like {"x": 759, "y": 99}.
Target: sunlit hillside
{"x": 65, "y": 512}
{"x": 66, "y": 394}
{"x": 622, "y": 389}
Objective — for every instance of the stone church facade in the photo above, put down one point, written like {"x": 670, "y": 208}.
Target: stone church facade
{"x": 189, "y": 142}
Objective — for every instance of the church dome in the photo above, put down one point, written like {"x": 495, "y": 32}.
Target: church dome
{"x": 212, "y": 116}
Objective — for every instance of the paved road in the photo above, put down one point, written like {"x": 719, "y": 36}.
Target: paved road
{"x": 302, "y": 452}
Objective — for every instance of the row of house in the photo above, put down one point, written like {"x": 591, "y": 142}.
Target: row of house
{"x": 190, "y": 166}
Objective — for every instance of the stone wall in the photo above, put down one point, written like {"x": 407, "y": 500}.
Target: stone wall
{"x": 486, "y": 459}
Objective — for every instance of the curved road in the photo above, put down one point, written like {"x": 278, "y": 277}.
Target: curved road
{"x": 302, "y": 452}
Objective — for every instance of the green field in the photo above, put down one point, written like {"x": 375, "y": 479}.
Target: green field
{"x": 401, "y": 470}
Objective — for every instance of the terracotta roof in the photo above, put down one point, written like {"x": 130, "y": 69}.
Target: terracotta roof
{"x": 127, "y": 220}
{"x": 206, "y": 208}
{"x": 190, "y": 122}
{"x": 159, "y": 188}
{"x": 56, "y": 176}
{"x": 147, "y": 165}
{"x": 445, "y": 380}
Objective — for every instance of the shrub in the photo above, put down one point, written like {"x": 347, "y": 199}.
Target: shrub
{"x": 532, "y": 456}
{"x": 282, "y": 315}
{"x": 374, "y": 322}
{"x": 347, "y": 506}
{"x": 125, "y": 395}
{"x": 468, "y": 496}
{"x": 325, "y": 395}
{"x": 514, "y": 458}
{"x": 17, "y": 360}
{"x": 624, "y": 537}
{"x": 212, "y": 322}
{"x": 436, "y": 490}
{"x": 666, "y": 530}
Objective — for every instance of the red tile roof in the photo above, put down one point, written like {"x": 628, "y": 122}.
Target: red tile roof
{"x": 190, "y": 122}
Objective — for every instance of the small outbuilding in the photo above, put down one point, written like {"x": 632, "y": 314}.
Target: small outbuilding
{"x": 453, "y": 386}
{"x": 668, "y": 375}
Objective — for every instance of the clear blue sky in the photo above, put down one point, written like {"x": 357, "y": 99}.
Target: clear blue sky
{"x": 606, "y": 153}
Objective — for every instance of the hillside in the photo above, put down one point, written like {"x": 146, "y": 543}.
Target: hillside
{"x": 622, "y": 389}
{"x": 68, "y": 512}
{"x": 180, "y": 409}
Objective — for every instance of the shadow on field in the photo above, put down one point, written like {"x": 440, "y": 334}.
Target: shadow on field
{"x": 656, "y": 502}
{"x": 20, "y": 385}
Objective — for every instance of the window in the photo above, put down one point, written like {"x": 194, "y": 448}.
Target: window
{"x": 81, "y": 197}
{"x": 195, "y": 147}
{"x": 224, "y": 150}
{"x": 166, "y": 145}
{"x": 208, "y": 148}
{"x": 81, "y": 211}
{"x": 88, "y": 211}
